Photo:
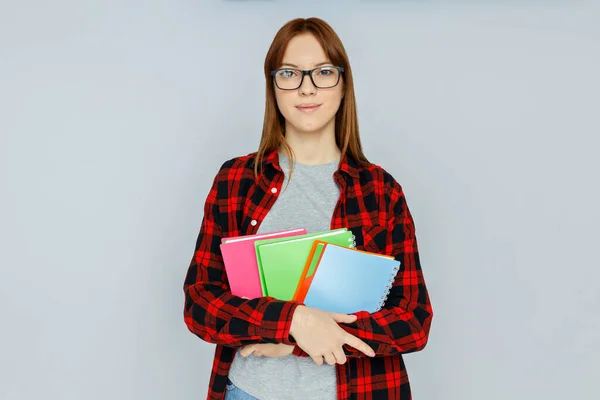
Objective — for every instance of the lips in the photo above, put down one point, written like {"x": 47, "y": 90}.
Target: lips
{"x": 308, "y": 108}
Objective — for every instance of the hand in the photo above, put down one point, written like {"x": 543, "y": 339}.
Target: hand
{"x": 267, "y": 350}
{"x": 317, "y": 333}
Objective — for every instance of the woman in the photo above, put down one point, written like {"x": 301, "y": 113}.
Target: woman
{"x": 309, "y": 171}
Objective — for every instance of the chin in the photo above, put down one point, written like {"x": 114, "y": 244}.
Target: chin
{"x": 309, "y": 125}
{"x": 309, "y": 128}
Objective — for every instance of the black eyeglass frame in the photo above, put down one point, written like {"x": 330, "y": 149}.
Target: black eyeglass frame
{"x": 308, "y": 72}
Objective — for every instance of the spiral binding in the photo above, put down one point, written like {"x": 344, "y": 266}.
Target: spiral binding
{"x": 388, "y": 289}
{"x": 353, "y": 240}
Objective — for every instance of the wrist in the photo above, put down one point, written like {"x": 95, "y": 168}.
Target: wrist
{"x": 296, "y": 318}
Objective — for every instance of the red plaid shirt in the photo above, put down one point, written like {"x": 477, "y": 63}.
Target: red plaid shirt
{"x": 373, "y": 207}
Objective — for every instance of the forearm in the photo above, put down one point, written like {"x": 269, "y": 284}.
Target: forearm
{"x": 216, "y": 316}
{"x": 391, "y": 331}
{"x": 401, "y": 333}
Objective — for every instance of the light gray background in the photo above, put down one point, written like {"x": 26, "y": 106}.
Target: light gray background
{"x": 115, "y": 116}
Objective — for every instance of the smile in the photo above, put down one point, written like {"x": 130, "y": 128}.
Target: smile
{"x": 308, "y": 108}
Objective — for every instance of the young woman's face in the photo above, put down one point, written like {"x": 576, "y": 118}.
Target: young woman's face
{"x": 308, "y": 108}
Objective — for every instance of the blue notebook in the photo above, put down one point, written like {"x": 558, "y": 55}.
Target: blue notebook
{"x": 348, "y": 280}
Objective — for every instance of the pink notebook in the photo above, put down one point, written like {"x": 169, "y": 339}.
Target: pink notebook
{"x": 239, "y": 257}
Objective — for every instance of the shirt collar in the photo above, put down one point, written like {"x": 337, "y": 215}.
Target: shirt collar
{"x": 348, "y": 164}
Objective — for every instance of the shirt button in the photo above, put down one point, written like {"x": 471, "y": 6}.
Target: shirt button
{"x": 274, "y": 190}
{"x": 253, "y": 222}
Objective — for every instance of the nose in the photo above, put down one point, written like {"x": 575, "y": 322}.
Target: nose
{"x": 307, "y": 87}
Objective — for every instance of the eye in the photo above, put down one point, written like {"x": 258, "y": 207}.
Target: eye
{"x": 326, "y": 71}
{"x": 287, "y": 73}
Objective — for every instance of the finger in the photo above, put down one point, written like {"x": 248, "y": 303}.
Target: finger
{"x": 247, "y": 350}
{"x": 359, "y": 345}
{"x": 329, "y": 358}
{"x": 343, "y": 318}
{"x": 318, "y": 359}
{"x": 340, "y": 356}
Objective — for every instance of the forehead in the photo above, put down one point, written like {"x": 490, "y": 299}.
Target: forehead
{"x": 305, "y": 51}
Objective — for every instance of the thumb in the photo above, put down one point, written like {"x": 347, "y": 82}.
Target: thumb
{"x": 343, "y": 318}
{"x": 247, "y": 350}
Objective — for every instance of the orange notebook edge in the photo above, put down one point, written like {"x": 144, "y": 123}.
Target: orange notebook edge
{"x": 304, "y": 283}
{"x": 297, "y": 293}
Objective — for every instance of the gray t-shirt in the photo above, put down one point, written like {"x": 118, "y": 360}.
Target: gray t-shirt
{"x": 308, "y": 202}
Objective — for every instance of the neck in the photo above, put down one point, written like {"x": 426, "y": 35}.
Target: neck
{"x": 313, "y": 148}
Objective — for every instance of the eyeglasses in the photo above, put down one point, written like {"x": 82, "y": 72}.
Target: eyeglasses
{"x": 322, "y": 77}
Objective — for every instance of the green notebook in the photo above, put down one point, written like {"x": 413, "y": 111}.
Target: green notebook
{"x": 281, "y": 261}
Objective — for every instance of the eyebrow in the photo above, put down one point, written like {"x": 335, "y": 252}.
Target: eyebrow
{"x": 316, "y": 65}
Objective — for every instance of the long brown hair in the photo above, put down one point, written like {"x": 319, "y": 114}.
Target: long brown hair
{"x": 346, "y": 121}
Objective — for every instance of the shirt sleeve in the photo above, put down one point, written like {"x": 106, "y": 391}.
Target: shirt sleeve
{"x": 211, "y": 311}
